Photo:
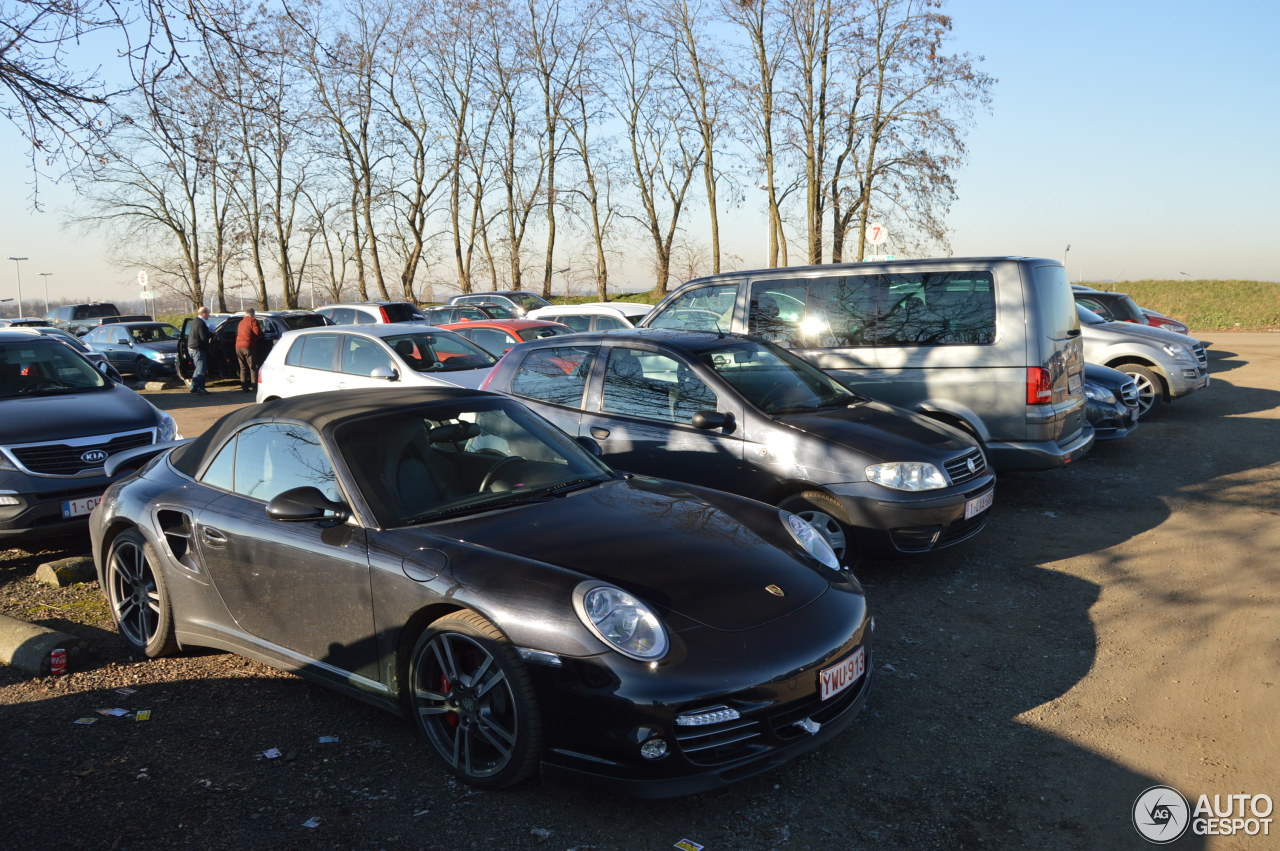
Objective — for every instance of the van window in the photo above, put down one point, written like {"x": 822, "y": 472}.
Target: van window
{"x": 700, "y": 309}
{"x": 902, "y": 309}
{"x": 1057, "y": 304}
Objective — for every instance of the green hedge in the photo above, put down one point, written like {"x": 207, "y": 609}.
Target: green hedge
{"x": 1208, "y": 305}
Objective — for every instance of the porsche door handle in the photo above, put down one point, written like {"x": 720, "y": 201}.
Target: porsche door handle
{"x": 599, "y": 433}
{"x": 213, "y": 537}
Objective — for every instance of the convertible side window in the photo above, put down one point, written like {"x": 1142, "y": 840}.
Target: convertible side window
{"x": 264, "y": 460}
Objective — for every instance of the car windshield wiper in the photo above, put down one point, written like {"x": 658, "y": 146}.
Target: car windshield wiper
{"x": 571, "y": 486}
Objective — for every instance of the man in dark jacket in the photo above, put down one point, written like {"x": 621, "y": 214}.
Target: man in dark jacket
{"x": 248, "y": 350}
{"x": 198, "y": 345}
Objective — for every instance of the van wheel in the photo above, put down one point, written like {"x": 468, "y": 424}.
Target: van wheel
{"x": 828, "y": 517}
{"x": 1150, "y": 388}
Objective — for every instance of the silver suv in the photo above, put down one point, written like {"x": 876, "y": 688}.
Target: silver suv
{"x": 1165, "y": 365}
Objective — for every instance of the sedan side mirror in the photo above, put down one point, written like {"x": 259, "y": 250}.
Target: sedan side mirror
{"x": 708, "y": 420}
{"x": 386, "y": 373}
{"x": 590, "y": 445}
{"x": 305, "y": 503}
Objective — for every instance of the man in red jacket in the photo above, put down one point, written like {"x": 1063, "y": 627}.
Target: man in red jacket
{"x": 248, "y": 350}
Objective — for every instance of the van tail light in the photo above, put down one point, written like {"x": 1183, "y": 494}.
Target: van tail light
{"x": 385, "y": 317}
{"x": 484, "y": 385}
{"x": 1039, "y": 386}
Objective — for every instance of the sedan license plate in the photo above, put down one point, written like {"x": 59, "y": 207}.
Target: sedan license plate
{"x": 979, "y": 504}
{"x": 841, "y": 675}
{"x": 78, "y": 507}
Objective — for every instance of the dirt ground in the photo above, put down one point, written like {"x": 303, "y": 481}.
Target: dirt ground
{"x": 1115, "y": 628}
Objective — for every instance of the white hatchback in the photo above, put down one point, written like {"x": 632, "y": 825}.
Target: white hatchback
{"x": 593, "y": 316}
{"x": 339, "y": 357}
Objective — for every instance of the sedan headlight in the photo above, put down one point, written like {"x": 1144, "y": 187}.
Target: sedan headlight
{"x": 621, "y": 621}
{"x": 907, "y": 476}
{"x": 1099, "y": 394}
{"x": 167, "y": 428}
{"x": 1179, "y": 353}
{"x": 810, "y": 539}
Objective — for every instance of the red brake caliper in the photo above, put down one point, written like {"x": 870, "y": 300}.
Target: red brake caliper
{"x": 450, "y": 718}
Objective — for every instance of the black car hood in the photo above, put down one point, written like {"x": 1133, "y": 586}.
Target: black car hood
{"x": 44, "y": 418}
{"x": 665, "y": 544}
{"x": 164, "y": 347}
{"x": 879, "y": 430}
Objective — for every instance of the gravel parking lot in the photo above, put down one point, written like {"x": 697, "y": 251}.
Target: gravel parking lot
{"x": 1115, "y": 628}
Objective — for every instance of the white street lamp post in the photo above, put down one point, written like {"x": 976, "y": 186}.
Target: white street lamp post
{"x": 46, "y": 275}
{"x": 17, "y": 265}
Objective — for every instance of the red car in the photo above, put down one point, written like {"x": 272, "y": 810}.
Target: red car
{"x": 497, "y": 336}
{"x": 1159, "y": 320}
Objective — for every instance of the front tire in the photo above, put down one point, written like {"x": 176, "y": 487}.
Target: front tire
{"x": 472, "y": 699}
{"x": 826, "y": 515}
{"x": 1150, "y": 388}
{"x": 137, "y": 595}
{"x": 143, "y": 369}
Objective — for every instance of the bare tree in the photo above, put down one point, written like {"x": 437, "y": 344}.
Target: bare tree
{"x": 664, "y": 148}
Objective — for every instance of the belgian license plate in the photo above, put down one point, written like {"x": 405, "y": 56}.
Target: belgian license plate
{"x": 1074, "y": 383}
{"x": 979, "y": 504}
{"x": 841, "y": 675}
{"x": 78, "y": 507}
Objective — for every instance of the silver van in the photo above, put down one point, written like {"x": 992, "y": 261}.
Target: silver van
{"x": 990, "y": 344}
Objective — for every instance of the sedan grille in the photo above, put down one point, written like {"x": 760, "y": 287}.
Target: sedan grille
{"x": 966, "y": 467}
{"x": 1201, "y": 357}
{"x": 1129, "y": 394}
{"x": 69, "y": 458}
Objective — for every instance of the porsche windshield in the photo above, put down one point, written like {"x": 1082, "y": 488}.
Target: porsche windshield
{"x": 423, "y": 464}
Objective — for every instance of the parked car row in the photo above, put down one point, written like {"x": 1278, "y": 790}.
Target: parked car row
{"x": 722, "y": 467}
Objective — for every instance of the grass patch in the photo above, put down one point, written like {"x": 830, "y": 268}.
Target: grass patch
{"x": 1208, "y": 305}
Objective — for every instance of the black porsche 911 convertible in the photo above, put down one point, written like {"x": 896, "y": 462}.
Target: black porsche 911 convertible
{"x": 449, "y": 555}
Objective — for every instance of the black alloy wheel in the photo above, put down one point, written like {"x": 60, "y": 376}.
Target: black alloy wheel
{"x": 136, "y": 593}
{"x": 472, "y": 699}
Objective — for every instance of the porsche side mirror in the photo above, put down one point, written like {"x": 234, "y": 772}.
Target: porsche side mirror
{"x": 305, "y": 503}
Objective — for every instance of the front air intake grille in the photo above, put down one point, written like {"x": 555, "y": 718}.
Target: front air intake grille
{"x": 966, "y": 467}
{"x": 68, "y": 458}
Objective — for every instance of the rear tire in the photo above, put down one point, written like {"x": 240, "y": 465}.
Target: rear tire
{"x": 1150, "y": 388}
{"x": 828, "y": 517}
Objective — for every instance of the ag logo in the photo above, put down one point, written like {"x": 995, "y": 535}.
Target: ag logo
{"x": 93, "y": 456}
{"x": 1161, "y": 814}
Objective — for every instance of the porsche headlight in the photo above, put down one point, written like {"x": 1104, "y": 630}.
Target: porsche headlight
{"x": 621, "y": 621}
{"x": 810, "y": 539}
{"x": 907, "y": 476}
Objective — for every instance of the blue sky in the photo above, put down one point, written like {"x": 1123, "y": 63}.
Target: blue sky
{"x": 1141, "y": 133}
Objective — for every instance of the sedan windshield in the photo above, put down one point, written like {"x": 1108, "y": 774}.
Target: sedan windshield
{"x": 439, "y": 351}
{"x": 45, "y": 368}
{"x": 776, "y": 381}
{"x": 461, "y": 457}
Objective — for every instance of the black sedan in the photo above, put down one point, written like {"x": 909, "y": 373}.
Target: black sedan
{"x": 448, "y": 554}
{"x": 744, "y": 416}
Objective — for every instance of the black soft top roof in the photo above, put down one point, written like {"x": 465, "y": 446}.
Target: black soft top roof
{"x": 320, "y": 410}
